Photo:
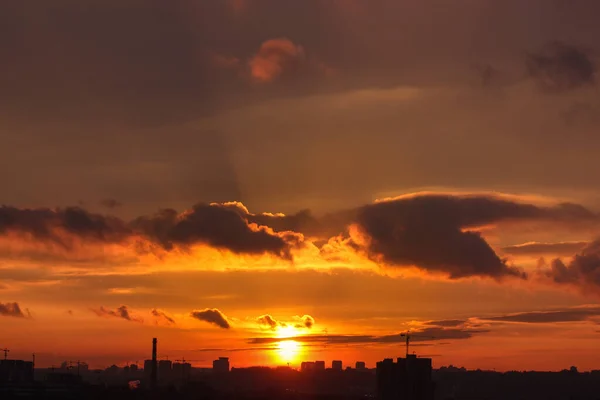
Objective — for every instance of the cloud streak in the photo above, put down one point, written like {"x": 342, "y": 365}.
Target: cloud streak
{"x": 538, "y": 248}
{"x": 161, "y": 315}
{"x": 426, "y": 335}
{"x": 212, "y": 316}
{"x": 121, "y": 312}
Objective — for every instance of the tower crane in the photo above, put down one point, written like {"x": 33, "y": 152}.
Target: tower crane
{"x": 409, "y": 335}
{"x": 5, "y": 352}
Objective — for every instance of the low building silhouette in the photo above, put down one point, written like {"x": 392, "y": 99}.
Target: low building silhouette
{"x": 221, "y": 365}
{"x": 16, "y": 371}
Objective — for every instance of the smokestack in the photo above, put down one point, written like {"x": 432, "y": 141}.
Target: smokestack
{"x": 153, "y": 375}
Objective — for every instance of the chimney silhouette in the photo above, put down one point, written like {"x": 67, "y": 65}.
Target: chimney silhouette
{"x": 153, "y": 373}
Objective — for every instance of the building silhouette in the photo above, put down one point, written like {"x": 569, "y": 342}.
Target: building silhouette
{"x": 221, "y": 365}
{"x": 307, "y": 366}
{"x": 164, "y": 371}
{"x": 319, "y": 365}
{"x": 16, "y": 371}
{"x": 407, "y": 379}
{"x": 360, "y": 365}
{"x": 336, "y": 365}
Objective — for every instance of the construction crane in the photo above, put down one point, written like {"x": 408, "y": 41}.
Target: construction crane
{"x": 78, "y": 363}
{"x": 5, "y": 353}
{"x": 409, "y": 335}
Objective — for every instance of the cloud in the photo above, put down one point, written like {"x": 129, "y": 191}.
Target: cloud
{"x": 120, "y": 312}
{"x": 162, "y": 315}
{"x": 561, "y": 67}
{"x": 217, "y": 226}
{"x": 111, "y": 203}
{"x": 439, "y": 232}
{"x": 275, "y": 58}
{"x": 214, "y": 225}
{"x": 542, "y": 317}
{"x": 11, "y": 310}
{"x": 583, "y": 271}
{"x": 447, "y": 322}
{"x": 53, "y": 224}
{"x": 269, "y": 322}
{"x": 212, "y": 316}
{"x": 425, "y": 335}
{"x": 306, "y": 321}
{"x": 538, "y": 248}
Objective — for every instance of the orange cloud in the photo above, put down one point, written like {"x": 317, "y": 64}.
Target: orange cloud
{"x": 274, "y": 58}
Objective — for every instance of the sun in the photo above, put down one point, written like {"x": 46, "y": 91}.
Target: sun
{"x": 288, "y": 350}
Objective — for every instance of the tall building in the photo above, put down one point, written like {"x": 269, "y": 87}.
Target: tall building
{"x": 336, "y": 365}
{"x": 182, "y": 371}
{"x": 221, "y": 365}
{"x": 360, "y": 365}
{"x": 154, "y": 367}
{"x": 319, "y": 365}
{"x": 407, "y": 379}
{"x": 307, "y": 366}
{"x": 164, "y": 370}
{"x": 148, "y": 369}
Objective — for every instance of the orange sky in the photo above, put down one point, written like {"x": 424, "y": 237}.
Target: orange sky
{"x": 227, "y": 175}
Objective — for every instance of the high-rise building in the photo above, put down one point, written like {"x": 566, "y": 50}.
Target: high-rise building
{"x": 221, "y": 365}
{"x": 336, "y": 365}
{"x": 319, "y": 365}
{"x": 407, "y": 379}
{"x": 360, "y": 365}
{"x": 148, "y": 369}
{"x": 154, "y": 367}
{"x": 164, "y": 370}
{"x": 182, "y": 371}
{"x": 307, "y": 366}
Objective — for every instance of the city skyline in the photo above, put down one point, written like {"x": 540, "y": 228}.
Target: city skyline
{"x": 281, "y": 181}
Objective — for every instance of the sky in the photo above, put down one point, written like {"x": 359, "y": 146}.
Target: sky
{"x": 280, "y": 181}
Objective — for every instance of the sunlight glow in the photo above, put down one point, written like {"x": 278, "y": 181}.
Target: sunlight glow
{"x": 288, "y": 350}
{"x": 287, "y": 331}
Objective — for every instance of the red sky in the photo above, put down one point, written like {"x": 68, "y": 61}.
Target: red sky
{"x": 229, "y": 175}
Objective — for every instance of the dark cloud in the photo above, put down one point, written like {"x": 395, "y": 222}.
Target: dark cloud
{"x": 111, "y": 203}
{"x": 538, "y": 248}
{"x": 426, "y": 335}
{"x": 11, "y": 310}
{"x": 269, "y": 322}
{"x": 49, "y": 224}
{"x": 212, "y": 316}
{"x": 306, "y": 321}
{"x": 216, "y": 226}
{"x": 120, "y": 312}
{"x": 541, "y": 317}
{"x": 583, "y": 270}
{"x": 303, "y": 322}
{"x": 561, "y": 67}
{"x": 162, "y": 315}
{"x": 438, "y": 232}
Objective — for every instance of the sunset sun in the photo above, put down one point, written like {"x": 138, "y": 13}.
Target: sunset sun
{"x": 288, "y": 350}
